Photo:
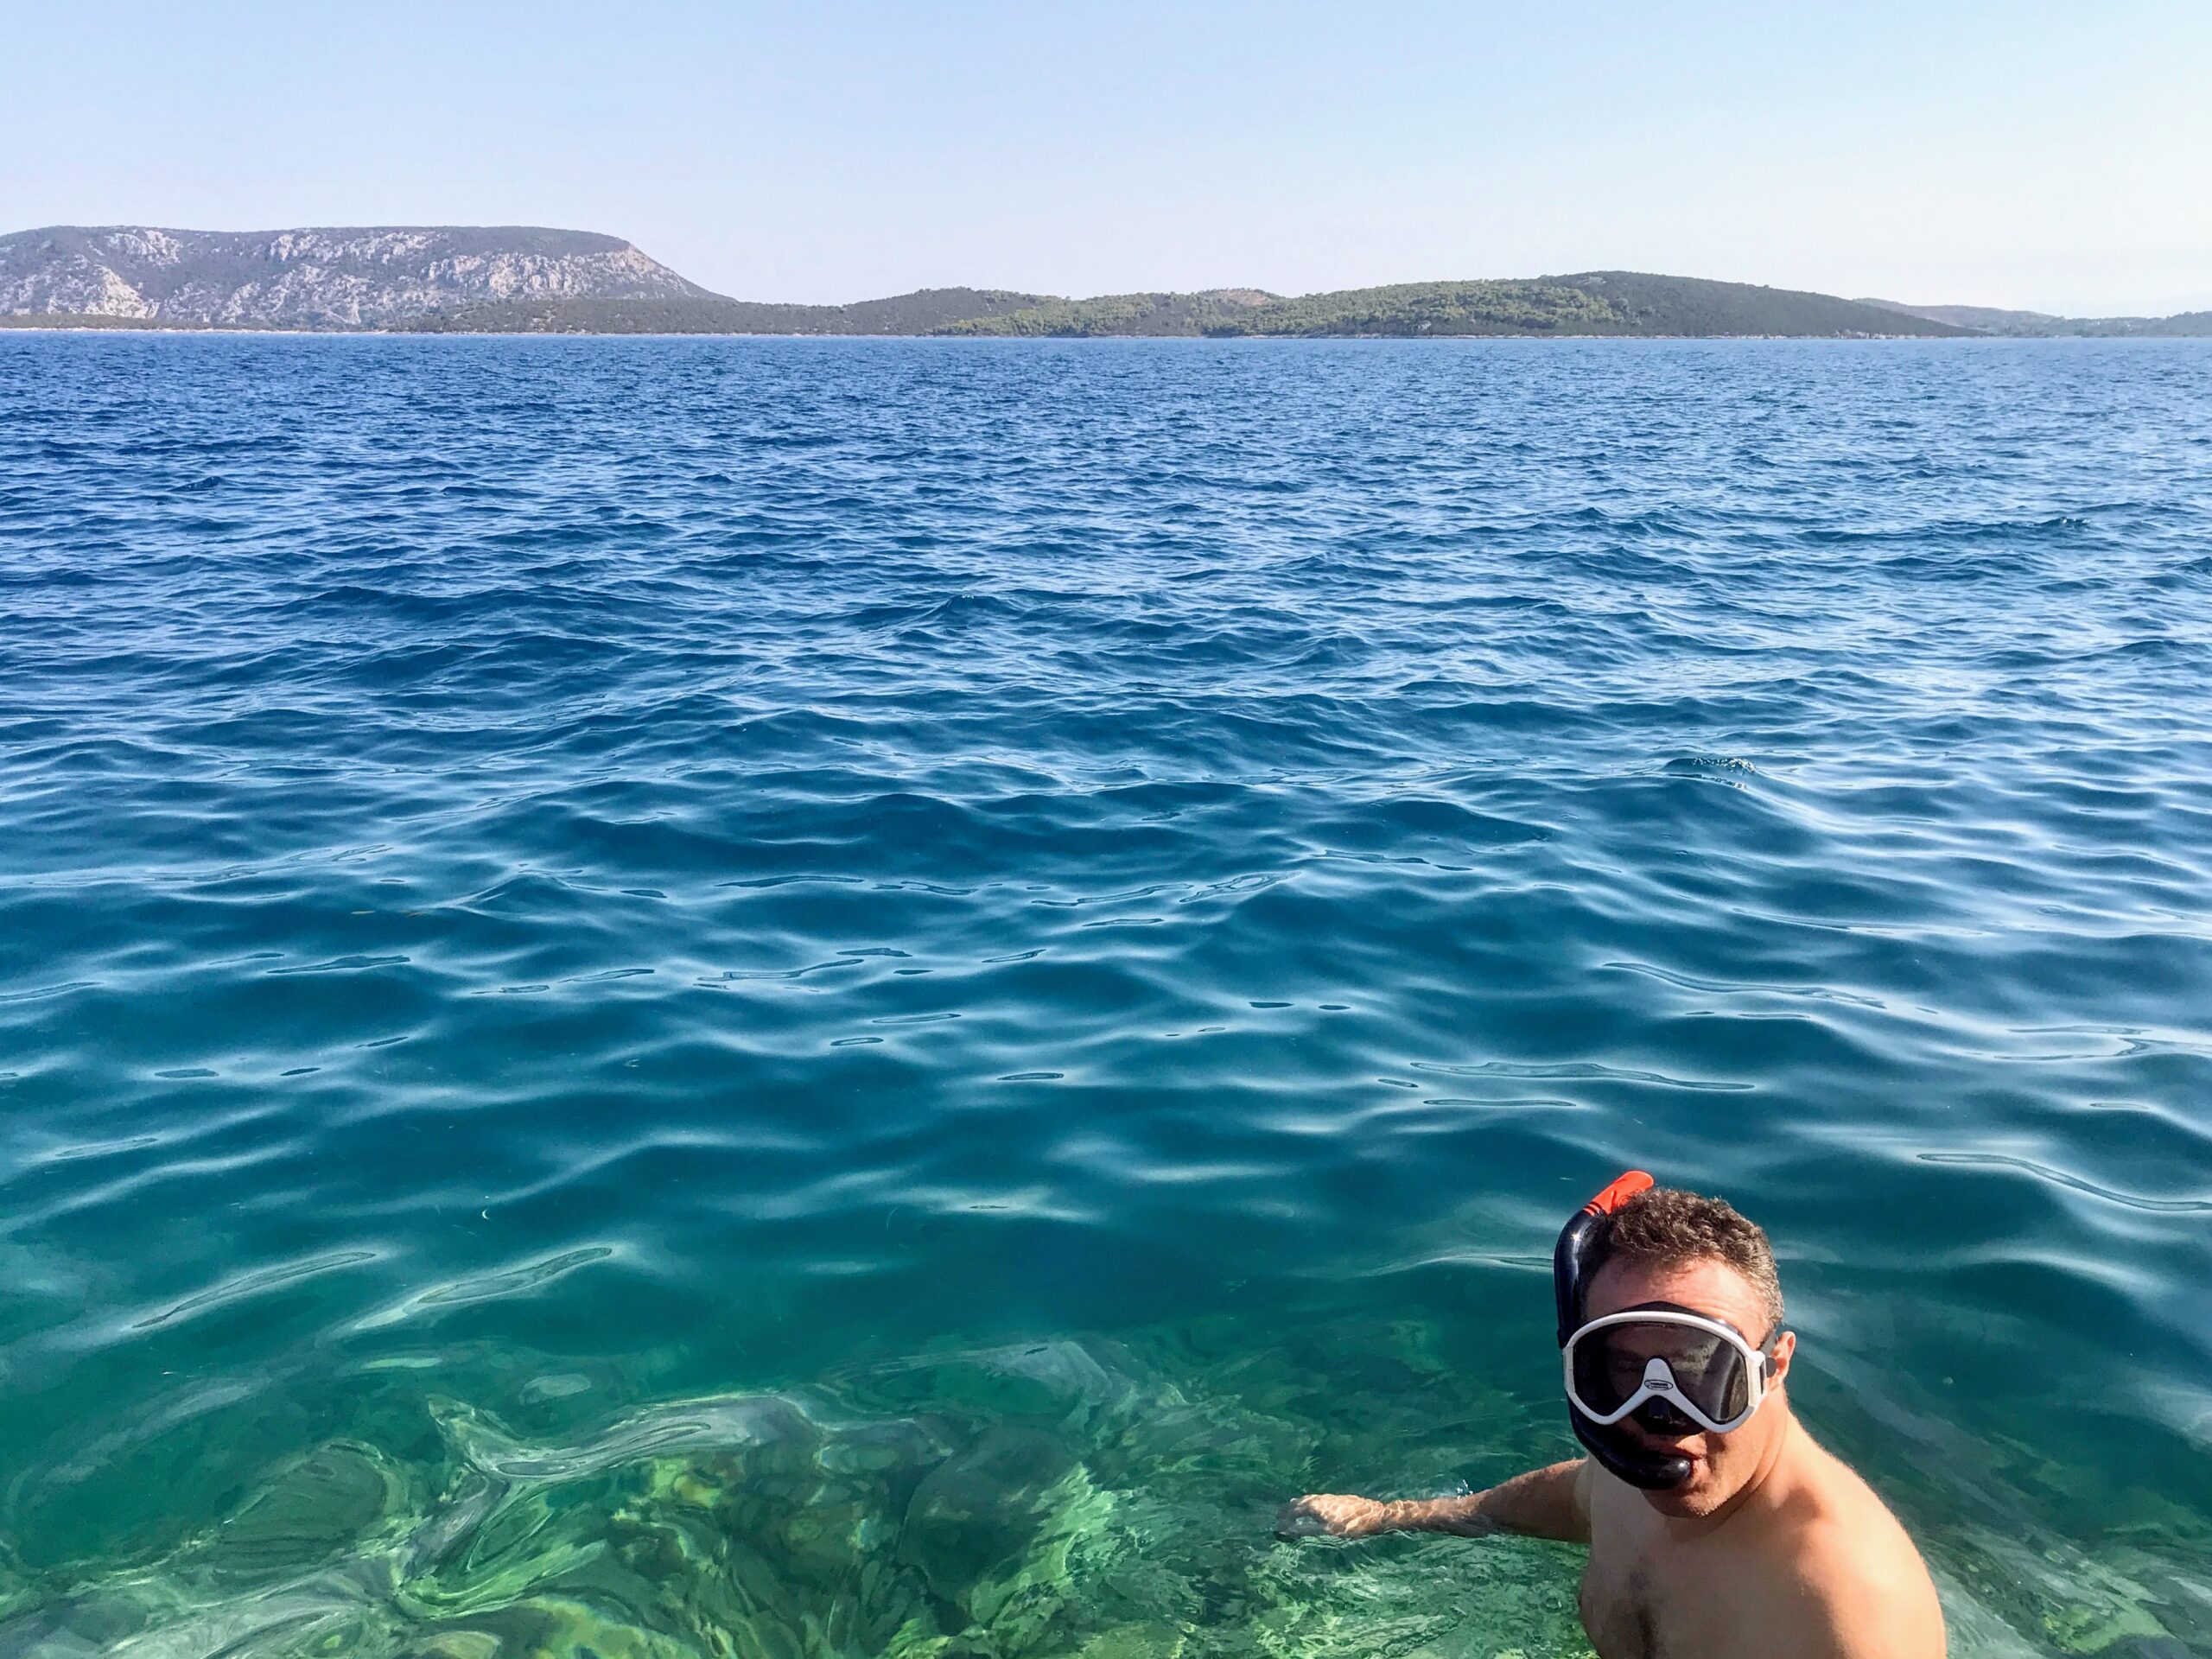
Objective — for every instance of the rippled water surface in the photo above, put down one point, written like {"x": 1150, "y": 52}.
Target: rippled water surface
{"x": 800, "y": 997}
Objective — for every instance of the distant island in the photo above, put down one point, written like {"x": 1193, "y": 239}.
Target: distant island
{"x": 1591, "y": 303}
{"x": 518, "y": 279}
{"x": 2044, "y": 325}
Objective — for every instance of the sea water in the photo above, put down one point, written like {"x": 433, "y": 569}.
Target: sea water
{"x": 788, "y": 997}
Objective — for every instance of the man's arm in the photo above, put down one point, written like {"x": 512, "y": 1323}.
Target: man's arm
{"x": 1551, "y": 1503}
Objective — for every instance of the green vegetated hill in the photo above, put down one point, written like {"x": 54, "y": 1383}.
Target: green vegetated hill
{"x": 1594, "y": 303}
{"x": 926, "y": 311}
{"x": 1214, "y": 311}
{"x": 1691, "y": 305}
{"x": 1981, "y": 319}
{"x": 2190, "y": 325}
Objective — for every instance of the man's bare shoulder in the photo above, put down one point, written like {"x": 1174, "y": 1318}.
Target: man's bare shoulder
{"x": 1830, "y": 1499}
{"x": 1845, "y": 1565}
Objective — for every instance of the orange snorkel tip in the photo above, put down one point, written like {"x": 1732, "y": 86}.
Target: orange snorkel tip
{"x": 1624, "y": 1188}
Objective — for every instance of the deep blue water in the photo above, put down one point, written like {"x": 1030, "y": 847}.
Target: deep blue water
{"x": 778, "y": 997}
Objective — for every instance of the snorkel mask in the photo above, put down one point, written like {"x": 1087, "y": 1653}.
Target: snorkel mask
{"x": 1675, "y": 1370}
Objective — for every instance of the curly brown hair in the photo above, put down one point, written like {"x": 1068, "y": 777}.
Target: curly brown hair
{"x": 1666, "y": 1227}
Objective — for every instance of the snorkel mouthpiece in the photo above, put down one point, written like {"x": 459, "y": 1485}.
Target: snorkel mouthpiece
{"x": 1573, "y": 1264}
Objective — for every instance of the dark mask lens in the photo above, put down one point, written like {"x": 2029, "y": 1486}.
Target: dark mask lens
{"x": 1728, "y": 1389}
{"x": 1606, "y": 1373}
{"x": 1710, "y": 1374}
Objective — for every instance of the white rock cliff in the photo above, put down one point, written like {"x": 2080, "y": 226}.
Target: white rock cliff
{"x": 315, "y": 279}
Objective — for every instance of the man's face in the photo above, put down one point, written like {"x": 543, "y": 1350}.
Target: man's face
{"x": 1719, "y": 1463}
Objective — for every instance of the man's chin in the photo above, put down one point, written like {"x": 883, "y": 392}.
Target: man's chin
{"x": 1689, "y": 1502}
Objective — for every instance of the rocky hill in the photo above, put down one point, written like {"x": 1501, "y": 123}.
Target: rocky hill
{"x": 316, "y": 279}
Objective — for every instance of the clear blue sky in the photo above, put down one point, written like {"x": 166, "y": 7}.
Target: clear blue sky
{"x": 2057, "y": 157}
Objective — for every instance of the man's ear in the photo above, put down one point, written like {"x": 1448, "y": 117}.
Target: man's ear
{"x": 1778, "y": 1367}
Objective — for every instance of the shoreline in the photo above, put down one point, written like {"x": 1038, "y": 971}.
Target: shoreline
{"x": 220, "y": 331}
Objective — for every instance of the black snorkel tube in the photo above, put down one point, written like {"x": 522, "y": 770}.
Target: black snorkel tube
{"x": 1574, "y": 1264}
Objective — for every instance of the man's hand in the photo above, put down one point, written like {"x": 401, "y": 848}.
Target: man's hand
{"x": 1339, "y": 1515}
{"x": 1542, "y": 1503}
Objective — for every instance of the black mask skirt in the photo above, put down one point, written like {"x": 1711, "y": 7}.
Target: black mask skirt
{"x": 1574, "y": 1264}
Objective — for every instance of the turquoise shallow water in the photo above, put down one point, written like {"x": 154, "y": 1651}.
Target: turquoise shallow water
{"x": 798, "y": 997}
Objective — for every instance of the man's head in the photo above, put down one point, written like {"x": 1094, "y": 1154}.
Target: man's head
{"x": 1697, "y": 1253}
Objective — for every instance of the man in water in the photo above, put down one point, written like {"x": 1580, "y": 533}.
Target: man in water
{"x": 1703, "y": 1544}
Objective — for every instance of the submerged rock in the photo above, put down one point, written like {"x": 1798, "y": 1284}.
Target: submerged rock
{"x": 1060, "y": 1500}
{"x": 979, "y": 1510}
{"x": 311, "y": 1508}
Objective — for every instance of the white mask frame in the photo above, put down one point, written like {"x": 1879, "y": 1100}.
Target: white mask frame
{"x": 1659, "y": 1381}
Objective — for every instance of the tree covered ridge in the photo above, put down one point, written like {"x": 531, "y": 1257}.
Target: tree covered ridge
{"x": 925, "y": 311}
{"x": 1406, "y": 308}
{"x": 1595, "y": 303}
